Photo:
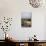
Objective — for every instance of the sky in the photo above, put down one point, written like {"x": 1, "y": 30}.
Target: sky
{"x": 26, "y": 15}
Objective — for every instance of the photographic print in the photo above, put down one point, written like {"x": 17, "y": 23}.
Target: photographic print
{"x": 26, "y": 19}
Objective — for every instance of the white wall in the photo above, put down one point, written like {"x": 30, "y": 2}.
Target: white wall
{"x": 13, "y": 8}
{"x": 45, "y": 28}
